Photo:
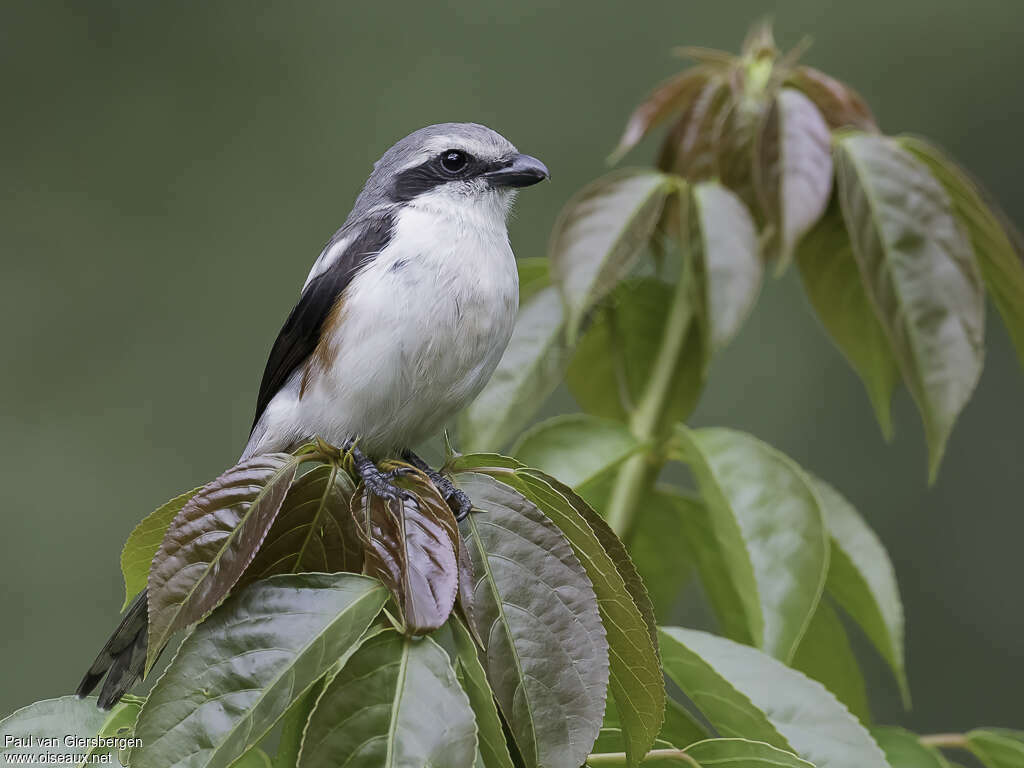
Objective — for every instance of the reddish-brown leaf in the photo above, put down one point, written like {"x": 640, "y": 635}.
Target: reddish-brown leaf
{"x": 314, "y": 531}
{"x": 691, "y": 147}
{"x": 840, "y": 105}
{"x": 211, "y": 541}
{"x": 412, "y": 546}
{"x": 673, "y": 95}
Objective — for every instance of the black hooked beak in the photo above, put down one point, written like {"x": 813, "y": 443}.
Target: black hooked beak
{"x": 519, "y": 171}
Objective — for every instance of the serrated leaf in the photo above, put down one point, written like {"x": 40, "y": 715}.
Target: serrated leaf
{"x": 530, "y": 369}
{"x": 724, "y": 242}
{"x": 904, "y": 749}
{"x": 996, "y": 244}
{"x": 918, "y": 269}
{"x": 491, "y": 735}
{"x": 668, "y": 97}
{"x": 635, "y": 674}
{"x": 576, "y": 448}
{"x": 825, "y": 655}
{"x": 272, "y": 641}
{"x": 26, "y": 733}
{"x": 997, "y": 747}
{"x": 412, "y": 546}
{"x": 862, "y": 580}
{"x": 211, "y": 542}
{"x": 743, "y": 690}
{"x": 743, "y": 753}
{"x": 841, "y": 106}
{"x": 613, "y": 545}
{"x": 615, "y": 357}
{"x": 314, "y": 531}
{"x": 793, "y": 168}
{"x": 681, "y": 728}
{"x": 600, "y": 235}
{"x": 546, "y": 658}
{"x": 395, "y": 704}
{"x": 832, "y": 280}
{"x": 144, "y": 541}
{"x": 768, "y": 525}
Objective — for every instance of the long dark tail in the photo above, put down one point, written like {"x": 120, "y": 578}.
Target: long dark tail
{"x": 123, "y": 658}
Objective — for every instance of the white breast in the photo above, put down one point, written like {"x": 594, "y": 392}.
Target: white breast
{"x": 422, "y": 329}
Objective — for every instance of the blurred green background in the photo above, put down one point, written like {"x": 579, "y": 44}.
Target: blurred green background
{"x": 171, "y": 170}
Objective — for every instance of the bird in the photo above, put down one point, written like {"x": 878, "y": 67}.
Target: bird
{"x": 400, "y": 323}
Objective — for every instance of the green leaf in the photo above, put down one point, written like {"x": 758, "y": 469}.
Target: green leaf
{"x": 728, "y": 709}
{"x": 615, "y": 548}
{"x": 144, "y": 541}
{"x": 492, "y": 746}
{"x": 272, "y": 641}
{"x": 471, "y": 462}
{"x": 395, "y": 704}
{"x": 862, "y": 580}
{"x": 768, "y": 525}
{"x": 615, "y": 357}
{"x": 661, "y": 551}
{"x": 742, "y": 690}
{"x": 904, "y": 749}
{"x": 28, "y": 731}
{"x": 211, "y": 542}
{"x": 546, "y": 655}
{"x": 724, "y": 242}
{"x": 673, "y": 95}
{"x": 997, "y": 747}
{"x": 695, "y": 527}
{"x": 534, "y": 274}
{"x": 531, "y": 368}
{"x": 832, "y": 280}
{"x": 996, "y": 245}
{"x": 825, "y": 655}
{"x": 840, "y": 105}
{"x": 254, "y": 758}
{"x": 576, "y": 448}
{"x": 636, "y": 680}
{"x": 601, "y": 234}
{"x": 743, "y": 753}
{"x": 680, "y": 728}
{"x": 314, "y": 531}
{"x": 793, "y": 168}
{"x": 412, "y": 545}
{"x": 918, "y": 269}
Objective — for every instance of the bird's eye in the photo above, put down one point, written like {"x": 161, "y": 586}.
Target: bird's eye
{"x": 454, "y": 160}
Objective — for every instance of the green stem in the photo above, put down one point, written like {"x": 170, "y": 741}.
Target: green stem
{"x": 639, "y": 472}
{"x": 619, "y": 758}
{"x": 948, "y": 740}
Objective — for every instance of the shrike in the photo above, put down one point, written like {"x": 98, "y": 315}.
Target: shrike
{"x": 399, "y": 325}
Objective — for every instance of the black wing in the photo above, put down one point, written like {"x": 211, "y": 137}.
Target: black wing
{"x": 301, "y": 332}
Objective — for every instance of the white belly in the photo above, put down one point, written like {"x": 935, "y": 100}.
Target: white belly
{"x": 422, "y": 329}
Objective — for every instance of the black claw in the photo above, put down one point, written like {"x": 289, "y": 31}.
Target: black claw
{"x": 378, "y": 482}
{"x": 458, "y": 501}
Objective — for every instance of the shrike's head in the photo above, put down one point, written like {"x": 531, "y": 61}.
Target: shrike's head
{"x": 451, "y": 164}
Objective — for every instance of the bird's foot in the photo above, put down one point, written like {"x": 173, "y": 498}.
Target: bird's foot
{"x": 377, "y": 481}
{"x": 457, "y": 500}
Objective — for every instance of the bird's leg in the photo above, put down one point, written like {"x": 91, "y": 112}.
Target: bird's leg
{"x": 378, "y": 482}
{"x": 457, "y": 500}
